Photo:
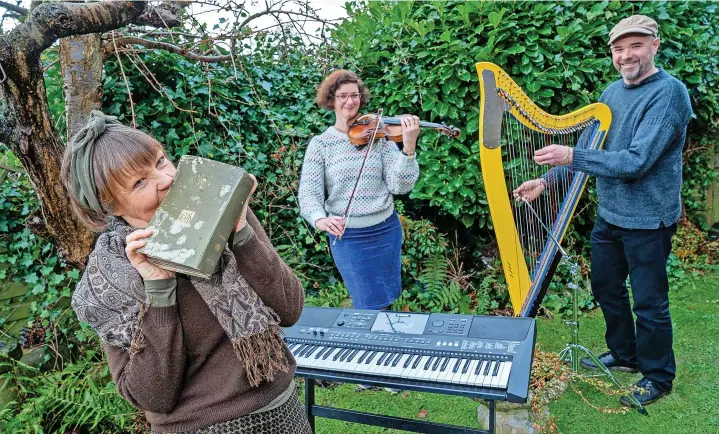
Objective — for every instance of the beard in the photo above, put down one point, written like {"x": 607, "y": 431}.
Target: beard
{"x": 644, "y": 65}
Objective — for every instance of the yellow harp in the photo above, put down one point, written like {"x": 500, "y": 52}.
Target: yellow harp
{"x": 529, "y": 234}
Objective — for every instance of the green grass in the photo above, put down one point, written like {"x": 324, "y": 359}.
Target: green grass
{"x": 692, "y": 407}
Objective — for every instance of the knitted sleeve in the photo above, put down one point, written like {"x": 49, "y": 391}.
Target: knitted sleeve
{"x": 400, "y": 171}
{"x": 311, "y": 194}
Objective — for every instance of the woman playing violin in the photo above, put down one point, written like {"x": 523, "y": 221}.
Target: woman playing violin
{"x": 366, "y": 235}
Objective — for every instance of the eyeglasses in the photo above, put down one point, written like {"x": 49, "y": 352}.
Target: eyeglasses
{"x": 343, "y": 96}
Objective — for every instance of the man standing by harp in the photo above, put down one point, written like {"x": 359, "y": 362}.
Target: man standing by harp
{"x": 639, "y": 178}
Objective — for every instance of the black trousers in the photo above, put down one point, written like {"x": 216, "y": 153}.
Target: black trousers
{"x": 642, "y": 255}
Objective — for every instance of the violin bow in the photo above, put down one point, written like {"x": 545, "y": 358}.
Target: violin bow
{"x": 346, "y": 215}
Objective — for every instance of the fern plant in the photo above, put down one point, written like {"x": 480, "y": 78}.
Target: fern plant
{"x": 79, "y": 398}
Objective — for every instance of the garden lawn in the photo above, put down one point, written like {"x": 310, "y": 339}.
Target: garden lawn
{"x": 692, "y": 407}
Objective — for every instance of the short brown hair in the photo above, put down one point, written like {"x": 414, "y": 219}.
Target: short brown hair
{"x": 326, "y": 91}
{"x": 120, "y": 152}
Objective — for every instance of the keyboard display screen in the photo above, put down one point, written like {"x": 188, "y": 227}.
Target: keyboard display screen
{"x": 393, "y": 322}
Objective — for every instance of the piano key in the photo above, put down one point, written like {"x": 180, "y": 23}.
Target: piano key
{"x": 447, "y": 372}
{"x": 354, "y": 364}
{"x": 496, "y": 377}
{"x": 467, "y": 371}
{"x": 496, "y": 368}
{"x": 504, "y": 378}
{"x": 438, "y": 372}
{"x": 416, "y": 369}
{"x": 488, "y": 377}
{"x": 456, "y": 366}
{"x": 465, "y": 367}
{"x": 397, "y": 368}
{"x": 479, "y": 379}
{"x": 409, "y": 360}
{"x": 489, "y": 366}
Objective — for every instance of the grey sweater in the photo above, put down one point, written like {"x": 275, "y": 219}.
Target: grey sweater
{"x": 639, "y": 171}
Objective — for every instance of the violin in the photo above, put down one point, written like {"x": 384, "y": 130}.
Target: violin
{"x": 366, "y": 129}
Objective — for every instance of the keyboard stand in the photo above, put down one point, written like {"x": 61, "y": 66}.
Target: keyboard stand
{"x": 313, "y": 410}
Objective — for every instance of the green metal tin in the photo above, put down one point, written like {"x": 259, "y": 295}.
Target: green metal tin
{"x": 192, "y": 225}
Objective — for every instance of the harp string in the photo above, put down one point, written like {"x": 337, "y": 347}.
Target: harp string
{"x": 519, "y": 144}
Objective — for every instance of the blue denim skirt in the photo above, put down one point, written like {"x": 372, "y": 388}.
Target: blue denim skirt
{"x": 369, "y": 260}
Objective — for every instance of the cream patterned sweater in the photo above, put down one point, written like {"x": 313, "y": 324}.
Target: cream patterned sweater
{"x": 329, "y": 171}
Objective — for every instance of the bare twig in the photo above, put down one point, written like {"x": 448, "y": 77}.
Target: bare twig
{"x": 125, "y": 40}
{"x": 127, "y": 85}
{"x": 15, "y": 8}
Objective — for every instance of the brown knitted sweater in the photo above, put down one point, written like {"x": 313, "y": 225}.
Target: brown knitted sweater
{"x": 188, "y": 376}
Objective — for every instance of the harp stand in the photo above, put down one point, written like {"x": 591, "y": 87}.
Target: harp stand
{"x": 572, "y": 351}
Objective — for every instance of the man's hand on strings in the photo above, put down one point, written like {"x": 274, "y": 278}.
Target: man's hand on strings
{"x": 554, "y": 155}
{"x": 333, "y": 225}
{"x": 530, "y": 190}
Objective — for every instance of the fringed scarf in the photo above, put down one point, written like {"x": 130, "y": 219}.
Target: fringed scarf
{"x": 111, "y": 298}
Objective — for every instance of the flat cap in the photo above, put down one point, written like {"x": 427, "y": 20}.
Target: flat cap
{"x": 635, "y": 24}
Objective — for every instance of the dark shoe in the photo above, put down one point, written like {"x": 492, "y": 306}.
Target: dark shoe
{"x": 611, "y": 363}
{"x": 645, "y": 392}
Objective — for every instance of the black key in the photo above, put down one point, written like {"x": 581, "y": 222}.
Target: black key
{"x": 297, "y": 349}
{"x": 416, "y": 362}
{"x": 429, "y": 363}
{"x": 353, "y": 355}
{"x": 388, "y": 360}
{"x": 327, "y": 353}
{"x": 444, "y": 364}
{"x": 409, "y": 360}
{"x": 311, "y": 351}
{"x": 496, "y": 369}
{"x": 396, "y": 360}
{"x": 371, "y": 356}
{"x": 338, "y": 354}
{"x": 479, "y": 366}
{"x": 344, "y": 355}
{"x": 436, "y": 363}
{"x": 291, "y": 346}
{"x": 381, "y": 359}
{"x": 466, "y": 366}
{"x": 307, "y": 350}
{"x": 320, "y": 352}
{"x": 363, "y": 356}
{"x": 457, "y": 365}
{"x": 486, "y": 369}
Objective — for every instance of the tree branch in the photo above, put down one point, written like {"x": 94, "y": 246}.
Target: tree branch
{"x": 131, "y": 40}
{"x": 164, "y": 15}
{"x": 15, "y": 8}
{"x": 52, "y": 21}
{"x": 268, "y": 11}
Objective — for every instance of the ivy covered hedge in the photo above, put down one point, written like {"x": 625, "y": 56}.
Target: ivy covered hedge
{"x": 419, "y": 57}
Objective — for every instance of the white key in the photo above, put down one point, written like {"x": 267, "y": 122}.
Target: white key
{"x": 480, "y": 376}
{"x": 470, "y": 372}
{"x": 373, "y": 367}
{"x": 311, "y": 361}
{"x": 405, "y": 371}
{"x": 458, "y": 375}
{"x": 355, "y": 365}
{"x": 504, "y": 380}
{"x": 435, "y": 374}
{"x": 416, "y": 373}
{"x": 495, "y": 379}
{"x": 396, "y": 370}
{"x": 425, "y": 374}
{"x": 386, "y": 364}
{"x": 446, "y": 376}
{"x": 488, "y": 378}
{"x": 327, "y": 362}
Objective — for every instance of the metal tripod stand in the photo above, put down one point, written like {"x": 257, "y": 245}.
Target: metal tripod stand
{"x": 571, "y": 353}
{"x": 572, "y": 350}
